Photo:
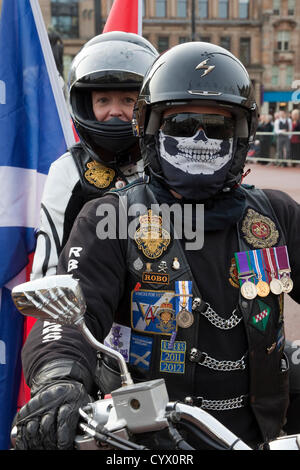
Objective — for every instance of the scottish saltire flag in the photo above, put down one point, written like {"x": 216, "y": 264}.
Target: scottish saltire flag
{"x": 125, "y": 15}
{"x": 35, "y": 129}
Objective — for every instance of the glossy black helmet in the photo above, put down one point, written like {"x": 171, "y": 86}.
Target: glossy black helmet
{"x": 114, "y": 60}
{"x": 202, "y": 74}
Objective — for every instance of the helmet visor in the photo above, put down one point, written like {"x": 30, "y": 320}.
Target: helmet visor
{"x": 215, "y": 126}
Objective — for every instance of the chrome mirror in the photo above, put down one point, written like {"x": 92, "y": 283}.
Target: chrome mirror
{"x": 55, "y": 298}
{"x": 59, "y": 299}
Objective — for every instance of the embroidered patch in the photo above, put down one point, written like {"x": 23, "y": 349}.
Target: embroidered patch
{"x": 172, "y": 360}
{"x": 233, "y": 273}
{"x": 260, "y": 320}
{"x": 119, "y": 339}
{"x": 150, "y": 237}
{"x": 99, "y": 175}
{"x": 140, "y": 351}
{"x": 155, "y": 278}
{"x": 259, "y": 231}
{"x": 153, "y": 311}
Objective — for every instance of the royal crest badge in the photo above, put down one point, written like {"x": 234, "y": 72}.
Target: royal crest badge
{"x": 151, "y": 238}
{"x": 259, "y": 231}
{"x": 99, "y": 175}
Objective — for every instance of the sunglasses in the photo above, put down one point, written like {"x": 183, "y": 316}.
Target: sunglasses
{"x": 215, "y": 126}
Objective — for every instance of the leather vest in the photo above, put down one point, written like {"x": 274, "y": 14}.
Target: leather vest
{"x": 268, "y": 394}
{"x": 95, "y": 178}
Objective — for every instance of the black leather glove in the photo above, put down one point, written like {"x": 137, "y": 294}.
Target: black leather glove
{"x": 49, "y": 420}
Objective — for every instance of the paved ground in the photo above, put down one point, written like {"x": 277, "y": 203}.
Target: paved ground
{"x": 288, "y": 180}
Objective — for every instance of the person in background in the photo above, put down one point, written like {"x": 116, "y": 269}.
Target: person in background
{"x": 295, "y": 139}
{"x": 282, "y": 126}
{"x": 265, "y": 125}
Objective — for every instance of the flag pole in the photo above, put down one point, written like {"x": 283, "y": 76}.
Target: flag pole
{"x": 140, "y": 17}
{"x": 59, "y": 98}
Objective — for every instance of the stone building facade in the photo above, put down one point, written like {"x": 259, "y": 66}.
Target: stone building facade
{"x": 264, "y": 34}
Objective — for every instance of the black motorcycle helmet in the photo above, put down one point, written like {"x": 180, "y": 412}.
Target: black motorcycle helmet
{"x": 197, "y": 73}
{"x": 114, "y": 60}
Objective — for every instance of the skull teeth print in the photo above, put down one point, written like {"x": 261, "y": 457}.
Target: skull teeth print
{"x": 197, "y": 154}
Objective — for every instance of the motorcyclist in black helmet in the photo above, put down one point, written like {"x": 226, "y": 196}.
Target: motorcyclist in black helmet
{"x": 104, "y": 80}
{"x": 202, "y": 317}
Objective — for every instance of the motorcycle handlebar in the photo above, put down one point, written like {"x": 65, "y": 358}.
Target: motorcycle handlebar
{"x": 208, "y": 425}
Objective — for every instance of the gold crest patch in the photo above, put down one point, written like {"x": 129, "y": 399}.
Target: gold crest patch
{"x": 150, "y": 237}
{"x": 259, "y": 231}
{"x": 99, "y": 175}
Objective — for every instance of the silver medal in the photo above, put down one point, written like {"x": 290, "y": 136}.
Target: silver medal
{"x": 276, "y": 286}
{"x": 249, "y": 290}
{"x": 184, "y": 318}
{"x": 287, "y": 284}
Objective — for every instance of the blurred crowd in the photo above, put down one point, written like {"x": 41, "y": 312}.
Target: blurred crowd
{"x": 277, "y": 139}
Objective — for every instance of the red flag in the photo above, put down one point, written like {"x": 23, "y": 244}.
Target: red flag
{"x": 125, "y": 15}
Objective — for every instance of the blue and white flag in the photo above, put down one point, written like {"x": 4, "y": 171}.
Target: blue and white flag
{"x": 35, "y": 129}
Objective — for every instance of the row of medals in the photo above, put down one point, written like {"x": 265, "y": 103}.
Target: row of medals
{"x": 250, "y": 290}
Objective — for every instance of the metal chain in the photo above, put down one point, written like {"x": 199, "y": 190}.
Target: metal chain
{"x": 203, "y": 359}
{"x": 216, "y": 319}
{"x": 223, "y": 405}
{"x": 214, "y": 364}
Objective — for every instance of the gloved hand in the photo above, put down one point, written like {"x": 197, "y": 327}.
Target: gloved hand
{"x": 49, "y": 420}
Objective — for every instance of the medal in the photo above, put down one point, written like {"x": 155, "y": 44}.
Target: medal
{"x": 282, "y": 259}
{"x": 269, "y": 257}
{"x": 262, "y": 286}
{"x": 287, "y": 283}
{"x": 184, "y": 318}
{"x": 263, "y": 289}
{"x": 184, "y": 315}
{"x": 248, "y": 290}
{"x": 276, "y": 286}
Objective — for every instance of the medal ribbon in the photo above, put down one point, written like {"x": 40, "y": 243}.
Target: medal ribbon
{"x": 282, "y": 258}
{"x": 262, "y": 265}
{"x": 243, "y": 266}
{"x": 270, "y": 263}
{"x": 183, "y": 299}
{"x": 255, "y": 262}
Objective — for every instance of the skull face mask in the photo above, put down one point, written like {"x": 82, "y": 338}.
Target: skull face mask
{"x": 195, "y": 167}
